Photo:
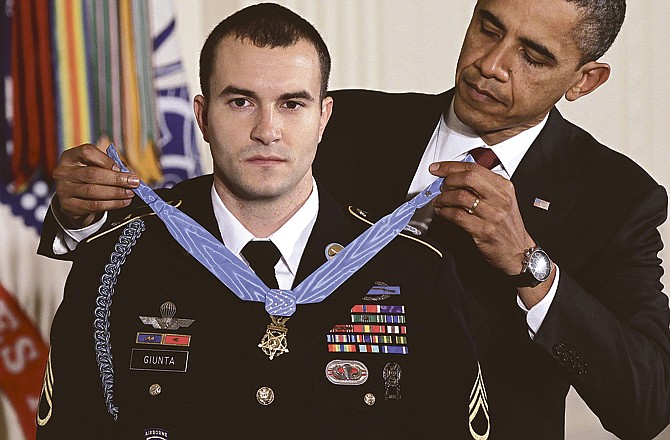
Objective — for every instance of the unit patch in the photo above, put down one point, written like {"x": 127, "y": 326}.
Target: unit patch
{"x": 347, "y": 372}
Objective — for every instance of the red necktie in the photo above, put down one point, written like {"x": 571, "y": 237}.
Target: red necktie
{"x": 485, "y": 157}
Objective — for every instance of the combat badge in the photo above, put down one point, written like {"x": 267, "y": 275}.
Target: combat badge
{"x": 274, "y": 341}
{"x": 167, "y": 321}
{"x": 392, "y": 375}
{"x": 347, "y": 372}
{"x": 381, "y": 291}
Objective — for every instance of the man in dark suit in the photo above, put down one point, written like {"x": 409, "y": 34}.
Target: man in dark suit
{"x": 147, "y": 343}
{"x": 598, "y": 319}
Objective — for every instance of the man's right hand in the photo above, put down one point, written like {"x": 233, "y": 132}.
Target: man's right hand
{"x": 88, "y": 183}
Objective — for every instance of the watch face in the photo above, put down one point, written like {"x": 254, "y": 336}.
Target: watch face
{"x": 539, "y": 265}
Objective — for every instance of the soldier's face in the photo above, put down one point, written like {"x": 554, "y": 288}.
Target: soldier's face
{"x": 264, "y": 118}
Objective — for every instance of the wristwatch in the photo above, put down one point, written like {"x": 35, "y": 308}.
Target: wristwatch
{"x": 536, "y": 268}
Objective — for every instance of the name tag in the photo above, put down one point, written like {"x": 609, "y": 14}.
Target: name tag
{"x": 159, "y": 360}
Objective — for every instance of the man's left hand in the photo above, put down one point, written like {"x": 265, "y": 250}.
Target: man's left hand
{"x": 484, "y": 204}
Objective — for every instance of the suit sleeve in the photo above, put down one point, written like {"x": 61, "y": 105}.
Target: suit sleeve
{"x": 50, "y": 228}
{"x": 608, "y": 327}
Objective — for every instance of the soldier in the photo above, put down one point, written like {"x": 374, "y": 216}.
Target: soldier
{"x": 148, "y": 341}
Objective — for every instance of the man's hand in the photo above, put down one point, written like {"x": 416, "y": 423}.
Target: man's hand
{"x": 484, "y": 204}
{"x": 89, "y": 183}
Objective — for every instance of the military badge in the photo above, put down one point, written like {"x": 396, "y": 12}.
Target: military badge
{"x": 381, "y": 291}
{"x": 167, "y": 321}
{"x": 332, "y": 249}
{"x": 392, "y": 374}
{"x": 347, "y": 372}
{"x": 274, "y": 341}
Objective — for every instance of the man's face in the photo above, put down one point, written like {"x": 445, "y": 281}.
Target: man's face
{"x": 518, "y": 58}
{"x": 264, "y": 118}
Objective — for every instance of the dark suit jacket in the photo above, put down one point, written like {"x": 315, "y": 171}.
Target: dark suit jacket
{"x": 216, "y": 396}
{"x": 606, "y": 332}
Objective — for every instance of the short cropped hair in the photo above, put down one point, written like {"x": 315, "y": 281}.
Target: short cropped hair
{"x": 265, "y": 25}
{"x": 598, "y": 27}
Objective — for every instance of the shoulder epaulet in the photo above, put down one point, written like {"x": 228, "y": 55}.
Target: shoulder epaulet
{"x": 409, "y": 232}
{"x": 138, "y": 212}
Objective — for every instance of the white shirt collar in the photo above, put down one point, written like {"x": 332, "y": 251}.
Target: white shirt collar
{"x": 459, "y": 139}
{"x": 291, "y": 238}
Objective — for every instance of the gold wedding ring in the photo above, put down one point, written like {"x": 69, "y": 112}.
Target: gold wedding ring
{"x": 471, "y": 209}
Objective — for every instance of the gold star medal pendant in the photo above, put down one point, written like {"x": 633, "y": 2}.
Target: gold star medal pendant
{"x": 274, "y": 342}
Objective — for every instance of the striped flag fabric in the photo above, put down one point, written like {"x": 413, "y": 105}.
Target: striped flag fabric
{"x": 73, "y": 72}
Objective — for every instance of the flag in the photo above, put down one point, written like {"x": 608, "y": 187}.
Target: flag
{"x": 66, "y": 68}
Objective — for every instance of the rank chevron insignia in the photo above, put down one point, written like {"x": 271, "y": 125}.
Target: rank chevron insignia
{"x": 479, "y": 402}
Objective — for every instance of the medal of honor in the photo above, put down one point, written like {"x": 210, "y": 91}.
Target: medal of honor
{"x": 274, "y": 342}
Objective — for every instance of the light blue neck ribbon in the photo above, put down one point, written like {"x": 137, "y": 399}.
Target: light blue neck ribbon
{"x": 242, "y": 281}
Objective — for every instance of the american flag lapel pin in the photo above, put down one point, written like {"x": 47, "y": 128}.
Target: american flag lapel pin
{"x": 542, "y": 204}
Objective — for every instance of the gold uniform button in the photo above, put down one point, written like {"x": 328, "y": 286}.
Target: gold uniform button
{"x": 369, "y": 399}
{"x": 155, "y": 389}
{"x": 265, "y": 395}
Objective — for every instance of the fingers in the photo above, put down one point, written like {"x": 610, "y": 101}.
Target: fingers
{"x": 483, "y": 204}
{"x": 88, "y": 182}
{"x": 466, "y": 183}
{"x": 94, "y": 175}
{"x": 88, "y": 164}
{"x": 444, "y": 169}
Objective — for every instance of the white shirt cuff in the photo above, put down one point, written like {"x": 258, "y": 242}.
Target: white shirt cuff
{"x": 66, "y": 240}
{"x": 536, "y": 314}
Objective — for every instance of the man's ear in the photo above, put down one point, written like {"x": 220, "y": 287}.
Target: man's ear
{"x": 200, "y": 110}
{"x": 593, "y": 75}
{"x": 326, "y": 111}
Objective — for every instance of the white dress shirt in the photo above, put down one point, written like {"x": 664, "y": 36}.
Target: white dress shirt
{"x": 452, "y": 141}
{"x": 290, "y": 239}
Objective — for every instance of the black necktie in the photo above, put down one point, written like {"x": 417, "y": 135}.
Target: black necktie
{"x": 485, "y": 157}
{"x": 262, "y": 257}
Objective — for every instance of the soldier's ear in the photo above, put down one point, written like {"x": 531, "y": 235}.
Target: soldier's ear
{"x": 200, "y": 110}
